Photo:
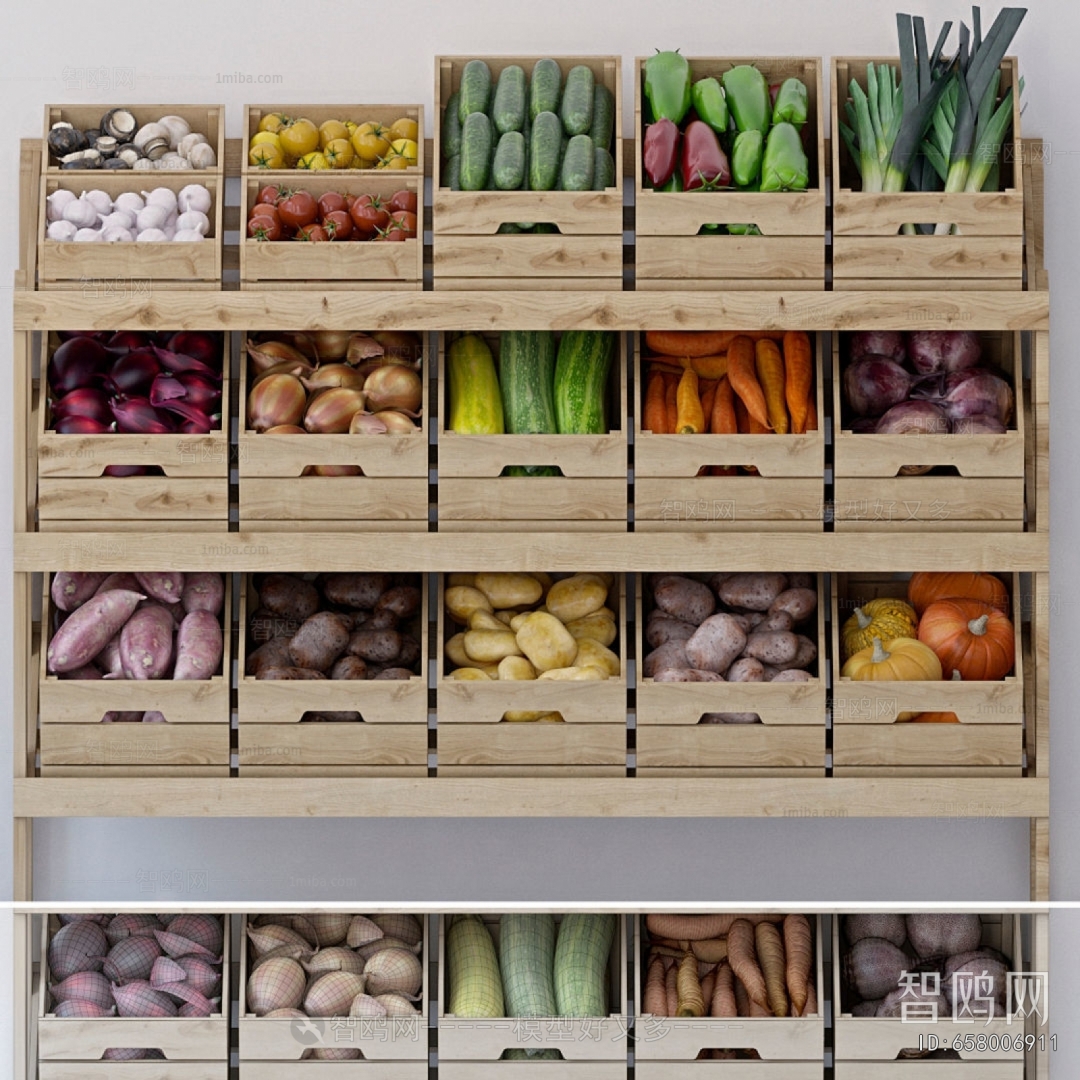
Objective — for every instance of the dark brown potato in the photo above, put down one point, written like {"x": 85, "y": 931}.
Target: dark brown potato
{"x": 266, "y": 626}
{"x": 661, "y": 628}
{"x": 410, "y": 652}
{"x": 378, "y": 646}
{"x": 395, "y": 673}
{"x": 402, "y": 600}
{"x": 289, "y": 595}
{"x": 666, "y": 658}
{"x": 273, "y": 653}
{"x": 319, "y": 642}
{"x": 356, "y": 590}
{"x": 684, "y": 598}
{"x": 289, "y": 673}
{"x": 349, "y": 667}
{"x": 383, "y": 620}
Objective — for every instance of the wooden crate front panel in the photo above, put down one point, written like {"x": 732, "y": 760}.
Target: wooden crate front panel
{"x": 710, "y": 261}
{"x": 775, "y": 1039}
{"x": 716, "y": 746}
{"x": 532, "y": 1070}
{"x": 592, "y": 1040}
{"x": 390, "y": 500}
{"x": 280, "y": 702}
{"x": 929, "y": 1070}
{"x": 593, "y": 704}
{"x": 480, "y": 213}
{"x": 542, "y": 499}
{"x": 730, "y": 1070}
{"x": 960, "y": 745}
{"x": 333, "y": 1070}
{"x": 526, "y": 255}
{"x": 909, "y": 259}
{"x": 133, "y": 1070}
{"x": 130, "y": 267}
{"x": 929, "y": 502}
{"x": 776, "y": 213}
{"x": 362, "y": 263}
{"x": 114, "y": 501}
{"x": 729, "y": 503}
{"x": 180, "y": 1039}
{"x": 444, "y": 283}
{"x": 864, "y": 1039}
{"x": 386, "y": 1039}
{"x": 208, "y": 120}
{"x": 986, "y": 702}
{"x": 384, "y": 115}
{"x": 535, "y": 743}
{"x": 337, "y": 743}
{"x": 172, "y": 745}
{"x": 84, "y": 701}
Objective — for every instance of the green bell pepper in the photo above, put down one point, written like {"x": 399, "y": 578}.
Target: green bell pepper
{"x": 667, "y": 86}
{"x": 710, "y": 104}
{"x": 746, "y": 154}
{"x": 744, "y": 230}
{"x": 673, "y": 184}
{"x": 792, "y": 103}
{"x": 748, "y": 98}
{"x": 784, "y": 166}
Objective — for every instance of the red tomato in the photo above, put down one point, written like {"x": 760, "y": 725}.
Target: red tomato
{"x": 349, "y": 200}
{"x": 403, "y": 200}
{"x": 330, "y": 202}
{"x": 404, "y": 221}
{"x": 338, "y": 225}
{"x": 368, "y": 214}
{"x": 300, "y": 208}
{"x": 269, "y": 194}
{"x": 314, "y": 233}
{"x": 263, "y": 227}
{"x": 266, "y": 210}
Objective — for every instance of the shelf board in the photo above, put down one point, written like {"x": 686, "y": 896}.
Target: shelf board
{"x": 426, "y": 797}
{"x": 517, "y": 551}
{"x": 154, "y": 307}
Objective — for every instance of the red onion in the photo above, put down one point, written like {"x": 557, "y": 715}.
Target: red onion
{"x": 914, "y": 417}
{"x": 979, "y": 425}
{"x": 75, "y": 363}
{"x": 80, "y": 425}
{"x": 866, "y": 426}
{"x": 197, "y": 344}
{"x": 84, "y": 402}
{"x": 875, "y": 384}
{"x": 136, "y": 416}
{"x": 190, "y": 387}
{"x": 199, "y": 421}
{"x": 887, "y": 343}
{"x": 943, "y": 350}
{"x": 190, "y": 427}
{"x": 133, "y": 373}
{"x": 982, "y": 394}
{"x": 124, "y": 341}
{"x": 176, "y": 362}
{"x": 126, "y": 470}
{"x": 166, "y": 388}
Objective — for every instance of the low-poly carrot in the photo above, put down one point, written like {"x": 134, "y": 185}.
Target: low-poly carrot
{"x": 798, "y": 377}
{"x": 708, "y": 985}
{"x": 742, "y": 371}
{"x": 671, "y": 989}
{"x": 655, "y": 1002}
{"x": 689, "y": 417}
{"x": 799, "y": 954}
{"x": 671, "y": 401}
{"x": 707, "y": 390}
{"x": 722, "y": 419}
{"x": 723, "y": 997}
{"x": 691, "y": 1002}
{"x": 770, "y": 951}
{"x": 769, "y": 364}
{"x": 742, "y": 956}
{"x": 654, "y": 414}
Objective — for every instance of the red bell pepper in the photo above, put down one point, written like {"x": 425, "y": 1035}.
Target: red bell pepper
{"x": 704, "y": 163}
{"x": 661, "y": 153}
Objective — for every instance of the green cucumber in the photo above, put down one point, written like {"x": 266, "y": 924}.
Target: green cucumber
{"x": 546, "y": 227}
{"x": 508, "y": 168}
{"x": 545, "y": 88}
{"x": 451, "y": 127}
{"x": 603, "y": 117}
{"x": 581, "y": 377}
{"x": 508, "y": 227}
{"x": 452, "y": 179}
{"x": 527, "y": 377}
{"x": 576, "y": 107}
{"x": 508, "y": 109}
{"x": 545, "y": 152}
{"x": 578, "y": 165}
{"x": 476, "y": 147}
{"x": 475, "y": 92}
{"x": 603, "y": 169}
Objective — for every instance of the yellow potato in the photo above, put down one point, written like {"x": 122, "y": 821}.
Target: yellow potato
{"x": 490, "y": 646}
{"x": 484, "y": 620}
{"x": 518, "y": 620}
{"x": 463, "y": 600}
{"x": 516, "y": 668}
{"x": 551, "y": 718}
{"x": 455, "y": 651}
{"x": 592, "y": 652}
{"x": 470, "y": 674}
{"x": 506, "y": 617}
{"x": 460, "y": 579}
{"x": 608, "y": 578}
{"x": 596, "y": 627}
{"x": 577, "y": 596}
{"x": 543, "y": 578}
{"x": 509, "y": 590}
{"x": 546, "y": 642}
{"x": 523, "y": 716}
{"x": 588, "y": 673}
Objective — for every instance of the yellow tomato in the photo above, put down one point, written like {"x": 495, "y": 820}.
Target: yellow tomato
{"x": 299, "y": 138}
{"x": 329, "y": 130}
{"x": 405, "y": 128}
{"x": 265, "y": 156}
{"x": 339, "y": 153}
{"x": 274, "y": 121}
{"x": 352, "y": 125}
{"x": 406, "y": 148}
{"x": 265, "y": 138}
{"x": 393, "y": 161}
{"x": 313, "y": 161}
{"x": 371, "y": 141}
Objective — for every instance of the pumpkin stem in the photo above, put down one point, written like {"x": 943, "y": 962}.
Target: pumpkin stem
{"x": 978, "y": 626}
{"x": 880, "y": 655}
{"x": 863, "y": 619}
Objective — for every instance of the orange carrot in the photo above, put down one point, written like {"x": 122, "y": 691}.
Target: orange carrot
{"x": 655, "y": 993}
{"x": 770, "y": 950}
{"x": 799, "y": 377}
{"x": 671, "y": 402}
{"x": 707, "y": 388}
{"x": 742, "y": 417}
{"x": 671, "y": 989}
{"x": 689, "y": 417}
{"x": 688, "y": 987}
{"x": 689, "y": 342}
{"x": 811, "y": 412}
{"x": 769, "y": 364}
{"x": 654, "y": 414}
{"x": 708, "y": 367}
{"x": 722, "y": 419}
{"x": 723, "y": 1002}
{"x": 799, "y": 951}
{"x": 742, "y": 372}
{"x": 743, "y": 959}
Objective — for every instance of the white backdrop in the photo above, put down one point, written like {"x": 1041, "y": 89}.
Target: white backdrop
{"x": 242, "y": 52}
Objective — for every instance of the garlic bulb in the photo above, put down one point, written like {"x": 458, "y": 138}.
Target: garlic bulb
{"x": 81, "y": 214}
{"x": 194, "y": 219}
{"x": 130, "y": 201}
{"x": 112, "y": 234}
{"x": 87, "y": 236}
{"x": 123, "y": 218}
{"x": 142, "y": 165}
{"x": 153, "y": 216}
{"x": 100, "y": 200}
{"x": 162, "y": 196}
{"x": 63, "y": 231}
{"x": 194, "y": 197}
{"x": 152, "y": 236}
{"x": 55, "y": 203}
{"x": 187, "y": 235}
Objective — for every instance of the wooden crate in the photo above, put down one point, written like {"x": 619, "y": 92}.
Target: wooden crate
{"x": 787, "y": 495}
{"x": 71, "y": 487}
{"x": 869, "y": 492}
{"x": 385, "y": 1041}
{"x": 474, "y": 740}
{"x": 789, "y": 739}
{"x": 208, "y": 120}
{"x": 70, "y": 1049}
{"x": 318, "y": 114}
{"x": 870, "y": 1039}
{"x": 195, "y": 741}
{"x": 391, "y": 740}
{"x": 587, "y": 251}
{"x": 870, "y": 252}
{"x": 392, "y": 493}
{"x": 133, "y": 269}
{"x": 929, "y": 1070}
{"x": 592, "y": 489}
{"x": 588, "y": 1039}
{"x": 990, "y": 735}
{"x": 346, "y": 264}
{"x": 669, "y": 252}
{"x": 532, "y": 1070}
{"x": 333, "y": 1070}
{"x": 667, "y": 1042}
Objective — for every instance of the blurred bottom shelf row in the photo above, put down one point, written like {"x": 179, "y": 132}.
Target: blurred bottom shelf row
{"x": 768, "y": 995}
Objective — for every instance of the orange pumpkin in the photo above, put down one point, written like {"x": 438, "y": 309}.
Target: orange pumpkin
{"x": 936, "y": 718}
{"x": 926, "y": 587}
{"x": 969, "y": 637}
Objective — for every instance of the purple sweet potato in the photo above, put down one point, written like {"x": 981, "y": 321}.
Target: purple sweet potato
{"x": 71, "y": 588}
{"x": 319, "y": 641}
{"x": 166, "y": 586}
{"x": 120, "y": 580}
{"x": 199, "y": 645}
{"x": 122, "y": 718}
{"x": 108, "y": 660}
{"x": 203, "y": 591}
{"x": 88, "y": 629}
{"x": 154, "y": 718}
{"x": 88, "y": 672}
{"x": 146, "y": 643}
